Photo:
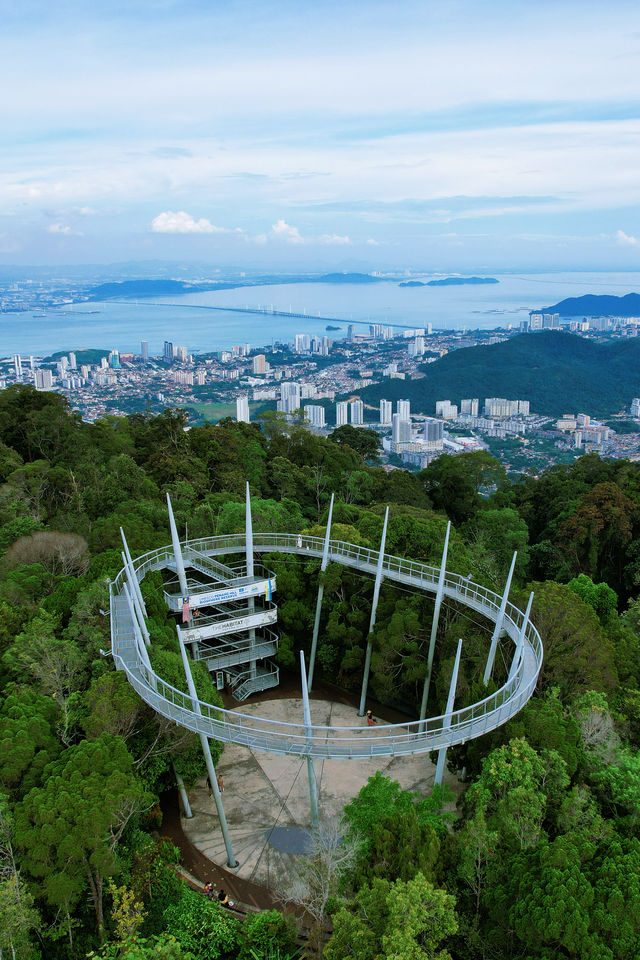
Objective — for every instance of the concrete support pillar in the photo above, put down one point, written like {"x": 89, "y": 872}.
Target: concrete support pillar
{"x": 372, "y": 621}
{"x": 434, "y": 624}
{"x": 130, "y": 562}
{"x": 177, "y": 551}
{"x": 497, "y": 630}
{"x": 131, "y": 579}
{"x": 517, "y": 654}
{"x": 442, "y": 752}
{"x": 251, "y": 603}
{"x": 316, "y": 623}
{"x": 186, "y": 806}
{"x": 137, "y": 632}
{"x": 311, "y": 772}
{"x": 208, "y": 759}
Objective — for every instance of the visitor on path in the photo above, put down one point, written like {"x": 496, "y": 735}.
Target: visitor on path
{"x": 208, "y": 891}
{"x": 299, "y": 542}
{"x": 370, "y": 720}
{"x": 220, "y": 783}
{"x": 209, "y": 786}
{"x": 223, "y": 899}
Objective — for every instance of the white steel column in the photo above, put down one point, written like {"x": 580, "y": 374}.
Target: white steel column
{"x": 251, "y": 603}
{"x": 177, "y": 551}
{"x": 136, "y": 629}
{"x": 311, "y": 771}
{"x": 517, "y": 654}
{"x": 498, "y": 626}
{"x": 208, "y": 759}
{"x": 131, "y": 577}
{"x": 186, "y": 806}
{"x": 316, "y": 624}
{"x": 372, "y": 621}
{"x": 434, "y": 624}
{"x": 442, "y": 752}
{"x": 130, "y": 562}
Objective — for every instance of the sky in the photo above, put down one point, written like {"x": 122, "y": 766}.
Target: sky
{"x": 435, "y": 136}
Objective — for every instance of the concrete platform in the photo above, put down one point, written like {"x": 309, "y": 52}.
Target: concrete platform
{"x": 265, "y": 790}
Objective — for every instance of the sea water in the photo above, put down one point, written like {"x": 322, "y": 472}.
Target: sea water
{"x": 121, "y": 326}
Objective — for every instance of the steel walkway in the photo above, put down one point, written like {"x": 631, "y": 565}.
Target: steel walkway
{"x": 320, "y": 741}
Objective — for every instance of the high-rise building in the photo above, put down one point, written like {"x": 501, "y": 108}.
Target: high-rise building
{"x": 401, "y": 429}
{"x": 201, "y": 376}
{"x": 635, "y": 407}
{"x": 356, "y": 410}
{"x": 433, "y": 430}
{"x": 386, "y": 409}
{"x": 315, "y": 414}
{"x": 470, "y": 407}
{"x": 114, "y": 359}
{"x": 260, "y": 363}
{"x": 17, "y": 365}
{"x": 403, "y": 409}
{"x": 84, "y": 371}
{"x": 446, "y": 409}
{"x": 342, "y": 413}
{"x": 167, "y": 352}
{"x": 181, "y": 354}
{"x": 290, "y": 395}
{"x": 325, "y": 346}
{"x": 351, "y": 331}
{"x": 242, "y": 410}
{"x": 44, "y": 379}
{"x": 72, "y": 361}
{"x": 144, "y": 350}
{"x": 302, "y": 343}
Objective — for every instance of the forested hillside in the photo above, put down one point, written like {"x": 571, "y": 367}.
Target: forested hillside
{"x": 557, "y": 372}
{"x": 543, "y": 858}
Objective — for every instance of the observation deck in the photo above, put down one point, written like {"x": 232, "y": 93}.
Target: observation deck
{"x": 305, "y": 740}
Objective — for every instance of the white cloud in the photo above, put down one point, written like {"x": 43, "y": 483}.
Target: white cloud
{"x": 333, "y": 238}
{"x": 370, "y": 242}
{"x": 59, "y": 228}
{"x": 625, "y": 240}
{"x": 284, "y": 231}
{"x": 181, "y": 222}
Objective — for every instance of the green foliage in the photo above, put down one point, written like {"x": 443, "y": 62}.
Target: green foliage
{"x": 203, "y": 927}
{"x": 403, "y": 920}
{"x": 266, "y": 934}
{"x": 69, "y": 829}
{"x": 600, "y": 596}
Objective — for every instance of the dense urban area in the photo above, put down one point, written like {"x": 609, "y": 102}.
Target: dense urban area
{"x": 319, "y": 380}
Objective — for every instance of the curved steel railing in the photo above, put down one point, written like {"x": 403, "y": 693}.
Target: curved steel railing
{"x": 331, "y": 742}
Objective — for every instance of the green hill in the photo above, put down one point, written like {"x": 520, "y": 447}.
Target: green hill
{"x": 555, "y": 371}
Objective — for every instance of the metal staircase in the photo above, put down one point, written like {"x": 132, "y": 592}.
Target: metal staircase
{"x": 229, "y": 612}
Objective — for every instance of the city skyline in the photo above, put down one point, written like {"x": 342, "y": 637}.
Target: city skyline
{"x": 262, "y": 135}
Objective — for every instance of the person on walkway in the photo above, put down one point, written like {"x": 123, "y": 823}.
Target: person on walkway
{"x": 209, "y": 786}
{"x": 370, "y": 720}
{"x": 220, "y": 783}
{"x": 223, "y": 899}
{"x": 208, "y": 891}
{"x": 299, "y": 544}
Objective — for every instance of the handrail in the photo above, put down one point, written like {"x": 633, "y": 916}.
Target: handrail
{"x": 265, "y": 734}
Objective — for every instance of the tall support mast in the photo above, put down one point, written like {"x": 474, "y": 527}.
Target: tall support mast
{"x": 177, "y": 551}
{"x": 316, "y": 624}
{"x": 132, "y": 581}
{"x": 434, "y": 624}
{"x": 130, "y": 562}
{"x": 372, "y": 622}
{"x": 208, "y": 759}
{"x": 311, "y": 772}
{"x": 497, "y": 630}
{"x": 442, "y": 752}
{"x": 521, "y": 637}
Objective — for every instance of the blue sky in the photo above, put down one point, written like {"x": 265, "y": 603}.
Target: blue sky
{"x": 436, "y": 136}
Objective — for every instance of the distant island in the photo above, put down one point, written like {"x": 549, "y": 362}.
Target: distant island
{"x": 596, "y": 305}
{"x": 555, "y": 371}
{"x": 329, "y": 327}
{"x": 137, "y": 289}
{"x": 448, "y": 282}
